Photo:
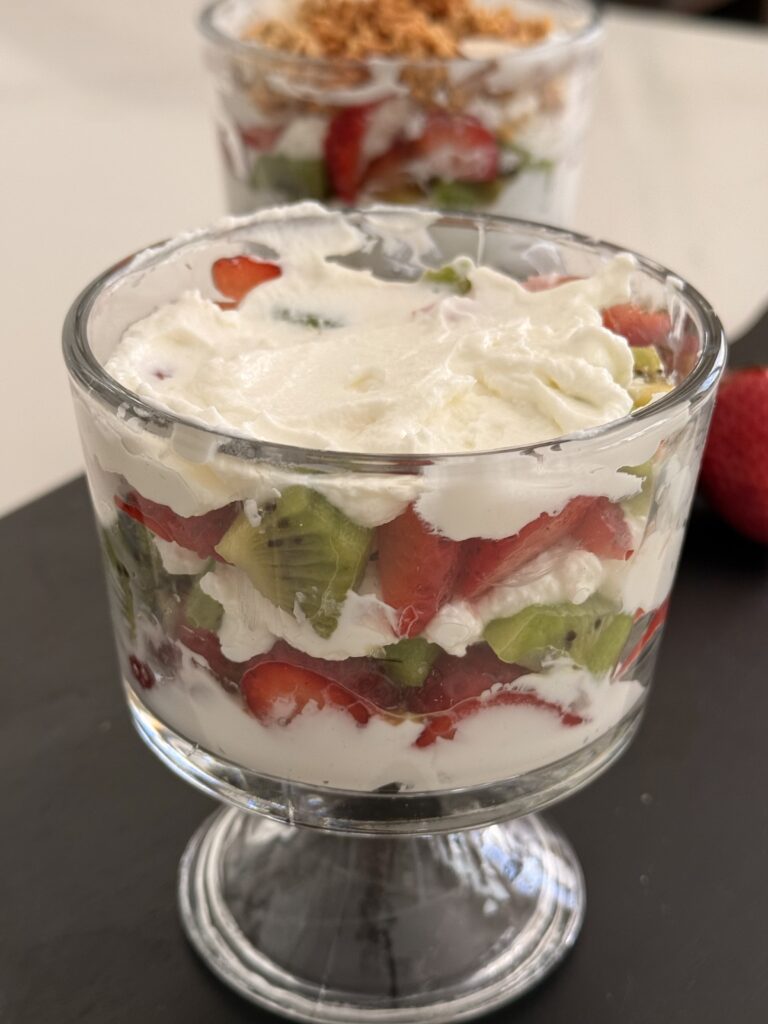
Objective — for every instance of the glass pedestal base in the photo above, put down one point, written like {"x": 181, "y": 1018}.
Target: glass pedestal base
{"x": 320, "y": 926}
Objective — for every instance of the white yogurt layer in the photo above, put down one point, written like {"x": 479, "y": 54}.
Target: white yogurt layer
{"x": 395, "y": 367}
{"x": 327, "y": 747}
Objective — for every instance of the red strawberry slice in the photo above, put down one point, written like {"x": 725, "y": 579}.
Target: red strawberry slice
{"x": 141, "y": 672}
{"x": 196, "y": 533}
{"x": 276, "y": 693}
{"x": 488, "y": 562}
{"x": 206, "y": 645}
{"x": 641, "y": 327}
{"x": 344, "y": 150}
{"x": 260, "y": 137}
{"x": 454, "y": 680}
{"x": 456, "y": 148}
{"x": 734, "y": 473}
{"x": 235, "y": 276}
{"x": 417, "y": 568}
{"x": 655, "y": 623}
{"x": 604, "y": 530}
{"x": 357, "y": 675}
{"x": 390, "y": 171}
{"x": 445, "y": 726}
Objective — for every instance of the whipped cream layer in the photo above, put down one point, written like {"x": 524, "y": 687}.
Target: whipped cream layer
{"x": 333, "y": 358}
{"x": 516, "y": 365}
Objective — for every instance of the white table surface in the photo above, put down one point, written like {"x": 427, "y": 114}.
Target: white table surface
{"x": 106, "y": 146}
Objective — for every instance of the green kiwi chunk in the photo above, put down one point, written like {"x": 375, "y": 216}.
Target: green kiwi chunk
{"x": 119, "y": 576}
{"x": 648, "y": 362}
{"x": 297, "y": 316}
{"x": 591, "y": 634}
{"x": 303, "y": 553}
{"x": 409, "y": 661}
{"x": 650, "y": 380}
{"x": 202, "y": 611}
{"x": 141, "y": 581}
{"x": 296, "y": 179}
{"x": 465, "y": 195}
{"x": 640, "y": 504}
{"x": 451, "y": 277}
{"x": 527, "y": 161}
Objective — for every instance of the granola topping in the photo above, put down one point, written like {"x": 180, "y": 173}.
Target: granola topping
{"x": 416, "y": 29}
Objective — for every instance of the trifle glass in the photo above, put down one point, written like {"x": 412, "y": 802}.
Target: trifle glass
{"x": 498, "y": 128}
{"x": 392, "y": 659}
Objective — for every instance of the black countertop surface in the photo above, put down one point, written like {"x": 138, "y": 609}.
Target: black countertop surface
{"x": 673, "y": 840}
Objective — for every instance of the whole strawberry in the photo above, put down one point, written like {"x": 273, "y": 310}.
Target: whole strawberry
{"x": 734, "y": 473}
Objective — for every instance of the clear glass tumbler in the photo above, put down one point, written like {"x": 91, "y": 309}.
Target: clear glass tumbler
{"x": 379, "y": 856}
{"x": 501, "y": 132}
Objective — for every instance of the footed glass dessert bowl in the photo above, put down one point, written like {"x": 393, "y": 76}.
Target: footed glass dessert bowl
{"x": 385, "y": 657}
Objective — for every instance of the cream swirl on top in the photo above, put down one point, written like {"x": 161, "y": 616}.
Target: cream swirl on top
{"x": 330, "y": 357}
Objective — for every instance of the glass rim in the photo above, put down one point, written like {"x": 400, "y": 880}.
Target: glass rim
{"x": 83, "y": 366}
{"x": 242, "y": 47}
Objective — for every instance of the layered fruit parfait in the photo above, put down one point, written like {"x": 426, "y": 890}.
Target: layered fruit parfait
{"x": 373, "y": 521}
{"x": 455, "y": 104}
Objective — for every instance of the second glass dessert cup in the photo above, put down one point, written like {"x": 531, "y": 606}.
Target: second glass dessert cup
{"x": 380, "y": 857}
{"x": 500, "y": 130}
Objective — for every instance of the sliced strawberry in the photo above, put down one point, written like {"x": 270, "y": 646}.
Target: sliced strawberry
{"x": 444, "y": 726}
{"x": 235, "y": 276}
{"x": 206, "y": 645}
{"x": 344, "y": 150}
{"x": 200, "y": 534}
{"x": 604, "y": 530}
{"x": 276, "y": 693}
{"x": 260, "y": 137}
{"x": 685, "y": 356}
{"x": 390, "y": 171}
{"x": 141, "y": 672}
{"x": 417, "y": 568}
{"x": 641, "y": 327}
{"x": 655, "y": 623}
{"x": 356, "y": 675}
{"x": 488, "y": 562}
{"x": 454, "y": 680}
{"x": 456, "y": 148}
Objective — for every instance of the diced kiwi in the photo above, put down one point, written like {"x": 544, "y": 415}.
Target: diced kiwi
{"x": 465, "y": 195}
{"x": 141, "y": 579}
{"x": 640, "y": 504}
{"x": 296, "y": 179}
{"x": 142, "y": 559}
{"x": 591, "y": 634}
{"x": 119, "y": 576}
{"x": 647, "y": 362}
{"x": 599, "y": 647}
{"x": 650, "y": 380}
{"x": 304, "y": 553}
{"x": 451, "y": 276}
{"x": 409, "y": 661}
{"x": 642, "y": 392}
{"x": 202, "y": 611}
{"x": 298, "y": 316}
{"x": 527, "y": 161}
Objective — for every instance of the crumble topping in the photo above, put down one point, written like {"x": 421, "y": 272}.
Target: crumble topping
{"x": 416, "y": 29}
